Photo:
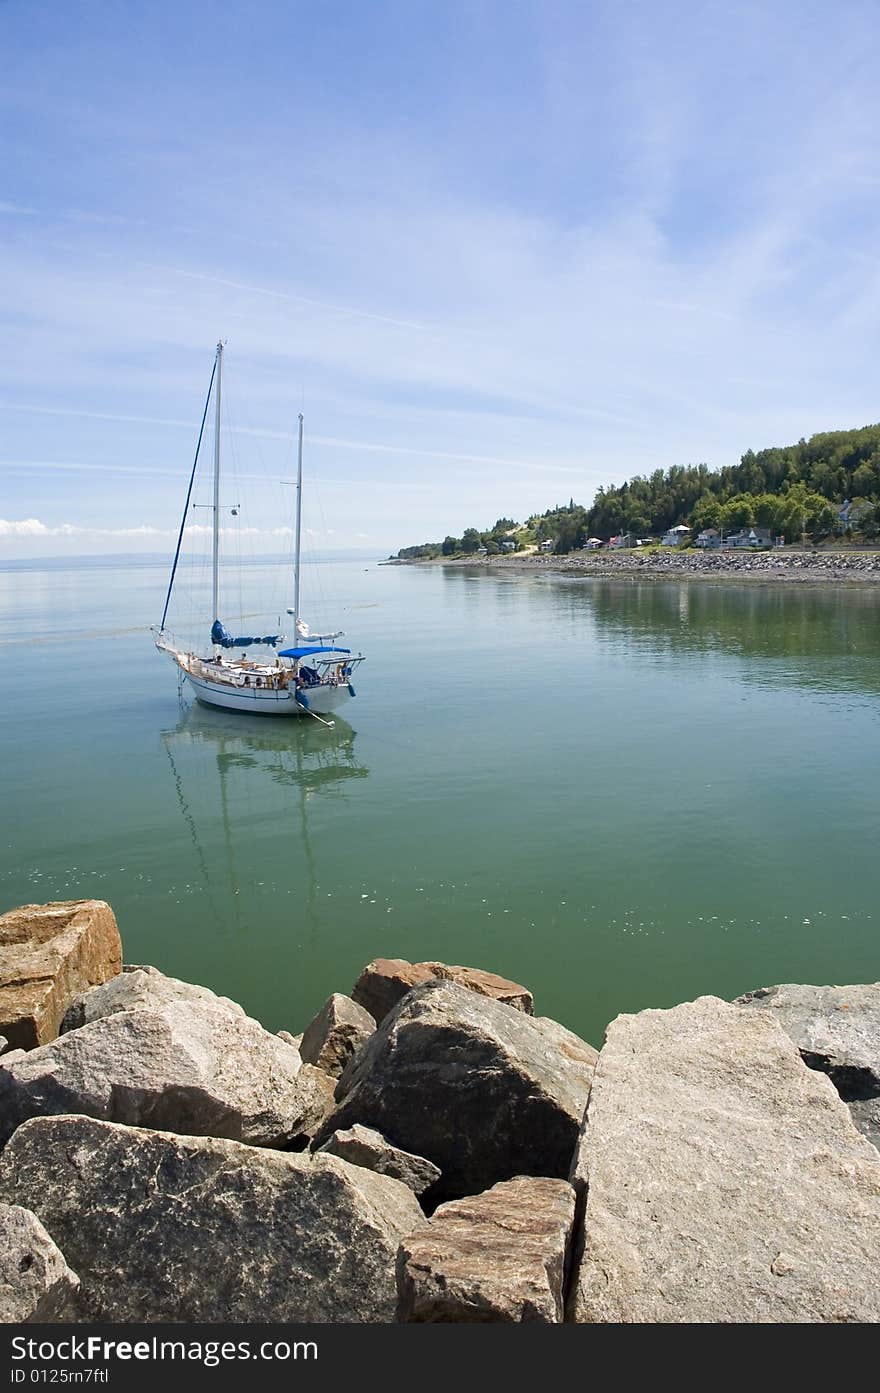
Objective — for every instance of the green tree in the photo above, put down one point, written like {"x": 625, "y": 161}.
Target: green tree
{"x": 801, "y": 511}
{"x": 826, "y": 521}
{"x": 707, "y": 512}
{"x": 738, "y": 512}
{"x": 470, "y": 540}
{"x": 571, "y": 530}
{"x": 864, "y": 481}
{"x": 768, "y": 511}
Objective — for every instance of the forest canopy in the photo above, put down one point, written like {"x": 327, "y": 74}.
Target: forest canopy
{"x": 793, "y": 490}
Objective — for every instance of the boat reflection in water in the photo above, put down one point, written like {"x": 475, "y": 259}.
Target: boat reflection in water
{"x": 262, "y": 776}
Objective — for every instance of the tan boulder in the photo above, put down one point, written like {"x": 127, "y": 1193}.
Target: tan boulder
{"x": 498, "y": 1257}
{"x": 338, "y": 1031}
{"x": 385, "y": 981}
{"x": 49, "y": 954}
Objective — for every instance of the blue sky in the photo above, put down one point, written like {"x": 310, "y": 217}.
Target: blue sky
{"x": 500, "y": 253}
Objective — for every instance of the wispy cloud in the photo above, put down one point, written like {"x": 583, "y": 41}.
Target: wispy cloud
{"x": 80, "y": 467}
{"x": 31, "y": 409}
{"x": 348, "y": 311}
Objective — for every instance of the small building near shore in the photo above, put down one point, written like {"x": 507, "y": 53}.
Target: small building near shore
{"x": 709, "y": 537}
{"x": 750, "y": 537}
{"x": 548, "y": 545}
{"x": 676, "y": 535}
{"x": 593, "y": 544}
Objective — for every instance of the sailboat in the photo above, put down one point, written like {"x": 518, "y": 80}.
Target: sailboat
{"x": 313, "y": 677}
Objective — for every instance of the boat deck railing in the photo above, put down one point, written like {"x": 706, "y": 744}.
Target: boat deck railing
{"x": 245, "y": 673}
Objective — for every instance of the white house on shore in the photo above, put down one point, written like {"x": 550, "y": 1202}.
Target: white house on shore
{"x": 709, "y": 537}
{"x": 750, "y": 537}
{"x": 675, "y": 535}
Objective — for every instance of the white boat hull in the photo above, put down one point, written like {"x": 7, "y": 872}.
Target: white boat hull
{"x": 260, "y": 701}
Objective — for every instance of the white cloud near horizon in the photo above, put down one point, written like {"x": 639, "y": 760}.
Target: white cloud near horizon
{"x": 33, "y": 527}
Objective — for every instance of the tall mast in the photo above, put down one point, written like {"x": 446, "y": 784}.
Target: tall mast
{"x": 216, "y": 558}
{"x": 296, "y": 548}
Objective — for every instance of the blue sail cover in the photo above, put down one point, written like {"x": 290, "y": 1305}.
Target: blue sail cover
{"x": 307, "y": 652}
{"x": 221, "y": 635}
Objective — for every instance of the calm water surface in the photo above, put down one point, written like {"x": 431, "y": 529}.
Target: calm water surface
{"x": 621, "y": 794}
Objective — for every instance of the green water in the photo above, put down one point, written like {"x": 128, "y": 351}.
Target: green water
{"x": 620, "y": 794}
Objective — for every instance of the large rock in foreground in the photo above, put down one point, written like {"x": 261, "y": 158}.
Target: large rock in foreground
{"x": 35, "y": 1282}
{"x": 339, "y": 1030}
{"x": 138, "y": 988}
{"x": 189, "y": 1068}
{"x": 726, "y": 1181}
{"x": 49, "y": 953}
{"x": 476, "y": 1087}
{"x": 363, "y": 1146}
{"x": 385, "y": 981}
{"x": 197, "y": 1229}
{"x": 496, "y": 1257}
{"x": 837, "y": 1030}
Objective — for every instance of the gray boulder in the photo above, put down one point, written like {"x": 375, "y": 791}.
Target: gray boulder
{"x": 837, "y": 1030}
{"x": 725, "y": 1180}
{"x": 338, "y": 1031}
{"x": 363, "y": 1146}
{"x": 189, "y": 1067}
{"x": 138, "y": 988}
{"x": 35, "y": 1282}
{"x": 198, "y": 1229}
{"x": 316, "y": 1100}
{"x": 497, "y": 1257}
{"x": 473, "y": 1085}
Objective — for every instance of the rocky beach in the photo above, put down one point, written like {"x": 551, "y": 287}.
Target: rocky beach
{"x": 425, "y": 1149}
{"x": 783, "y": 565}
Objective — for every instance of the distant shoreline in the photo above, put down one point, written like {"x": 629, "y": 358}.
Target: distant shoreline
{"x": 780, "y": 566}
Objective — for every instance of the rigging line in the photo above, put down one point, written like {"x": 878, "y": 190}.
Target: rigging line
{"x": 188, "y": 496}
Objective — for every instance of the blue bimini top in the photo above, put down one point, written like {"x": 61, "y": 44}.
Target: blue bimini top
{"x": 307, "y": 652}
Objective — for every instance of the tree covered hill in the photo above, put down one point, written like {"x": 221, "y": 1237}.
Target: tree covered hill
{"x": 794, "y": 490}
